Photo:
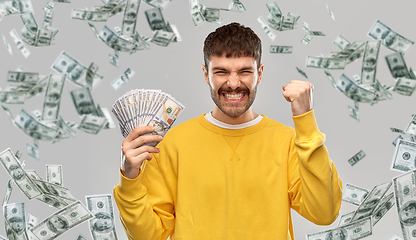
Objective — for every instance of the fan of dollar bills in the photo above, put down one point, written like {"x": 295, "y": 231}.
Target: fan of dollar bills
{"x": 141, "y": 107}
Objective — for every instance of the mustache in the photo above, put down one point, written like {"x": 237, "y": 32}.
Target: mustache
{"x": 230, "y": 90}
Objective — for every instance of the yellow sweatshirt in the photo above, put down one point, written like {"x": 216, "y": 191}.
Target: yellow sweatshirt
{"x": 213, "y": 183}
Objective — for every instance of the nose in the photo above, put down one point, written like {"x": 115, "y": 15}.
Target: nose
{"x": 233, "y": 81}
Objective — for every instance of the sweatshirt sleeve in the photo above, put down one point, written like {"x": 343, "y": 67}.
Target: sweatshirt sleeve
{"x": 315, "y": 189}
{"x": 145, "y": 204}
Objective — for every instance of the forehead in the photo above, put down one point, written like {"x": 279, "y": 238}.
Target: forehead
{"x": 232, "y": 62}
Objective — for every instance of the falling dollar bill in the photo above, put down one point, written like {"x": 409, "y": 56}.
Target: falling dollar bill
{"x": 353, "y": 230}
{"x": 19, "y": 43}
{"x": 20, "y": 6}
{"x": 83, "y": 101}
{"x": 356, "y": 92}
{"x": 162, "y": 38}
{"x": 8, "y": 193}
{"x": 411, "y": 127}
{"x": 92, "y": 124}
{"x": 316, "y": 33}
{"x": 130, "y": 17}
{"x": 15, "y": 217}
{"x": 54, "y": 190}
{"x": 330, "y": 77}
{"x": 54, "y": 174}
{"x": 93, "y": 16}
{"x": 115, "y": 41}
{"x": 302, "y": 72}
{"x": 158, "y": 3}
{"x": 349, "y": 50}
{"x": 19, "y": 176}
{"x": 404, "y": 156}
{"x": 346, "y": 218}
{"x": 306, "y": 39}
{"x": 60, "y": 123}
{"x": 354, "y": 194}
{"x": 92, "y": 70}
{"x": 369, "y": 67}
{"x": 266, "y": 28}
{"x": 33, "y": 151}
{"x": 123, "y": 79}
{"x": 384, "y": 206}
{"x": 34, "y": 128}
{"x": 389, "y": 38}
{"x": 27, "y": 77}
{"x": 155, "y": 19}
{"x": 281, "y": 49}
{"x": 102, "y": 226}
{"x": 341, "y": 42}
{"x": 397, "y": 65}
{"x": 52, "y": 100}
{"x": 61, "y": 221}
{"x": 325, "y": 63}
{"x": 405, "y": 86}
{"x": 236, "y": 5}
{"x": 356, "y": 158}
{"x": 113, "y": 60}
{"x": 330, "y": 12}
{"x": 305, "y": 26}
{"x": 354, "y": 113}
{"x": 6, "y": 43}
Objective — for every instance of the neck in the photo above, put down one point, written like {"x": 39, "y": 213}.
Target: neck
{"x": 245, "y": 117}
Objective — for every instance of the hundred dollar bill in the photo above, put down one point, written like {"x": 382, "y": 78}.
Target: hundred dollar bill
{"x": 302, "y": 72}
{"x": 411, "y": 127}
{"x": 389, "y": 38}
{"x": 115, "y": 41}
{"x": 19, "y": 176}
{"x": 94, "y": 30}
{"x": 15, "y": 76}
{"x": 384, "y": 206}
{"x": 353, "y": 230}
{"x": 405, "y": 86}
{"x": 306, "y": 39}
{"x": 102, "y": 226}
{"x": 19, "y": 44}
{"x": 47, "y": 19}
{"x": 330, "y": 12}
{"x": 305, "y": 26}
{"x": 33, "y": 151}
{"x": 382, "y": 90}
{"x": 130, "y": 17}
{"x": 49, "y": 6}
{"x": 274, "y": 10}
{"x": 355, "y": 56}
{"x": 93, "y": 16}
{"x": 113, "y": 60}
{"x": 15, "y": 217}
{"x": 29, "y": 21}
{"x": 8, "y": 193}
{"x": 158, "y": 3}
{"x": 83, "y": 101}
{"x": 92, "y": 70}
{"x": 369, "y": 67}
{"x": 404, "y": 158}
{"x": 236, "y": 5}
{"x": 330, "y": 77}
{"x": 155, "y": 19}
{"x": 281, "y": 49}
{"x": 174, "y": 29}
{"x": 162, "y": 38}
{"x": 141, "y": 43}
{"x": 92, "y": 124}
{"x": 354, "y": 91}
{"x": 350, "y": 49}
{"x": 316, "y": 33}
{"x": 34, "y": 128}
{"x": 370, "y": 203}
{"x": 406, "y": 138}
{"x": 341, "y": 42}
{"x": 103, "y": 112}
{"x": 54, "y": 174}
{"x": 211, "y": 14}
{"x": 123, "y": 79}
{"x": 54, "y": 190}
{"x": 12, "y": 97}
{"x": 266, "y": 28}
{"x": 287, "y": 23}
{"x": 19, "y": 6}
{"x": 354, "y": 113}
{"x": 326, "y": 63}
{"x": 354, "y": 194}
{"x": 346, "y": 218}
{"x": 60, "y": 123}
{"x": 405, "y": 196}
{"x": 397, "y": 65}
{"x": 356, "y": 158}
{"x": 31, "y": 221}
{"x": 197, "y": 18}
{"x": 61, "y": 221}
{"x": 52, "y": 100}
{"x": 6, "y": 43}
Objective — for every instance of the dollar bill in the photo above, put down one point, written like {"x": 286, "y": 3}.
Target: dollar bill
{"x": 236, "y": 5}
{"x": 115, "y": 41}
{"x": 49, "y": 7}
{"x": 274, "y": 10}
{"x": 19, "y": 176}
{"x": 19, "y": 43}
{"x": 384, "y": 206}
{"x": 211, "y": 15}
{"x": 411, "y": 127}
{"x": 405, "y": 86}
{"x": 140, "y": 43}
{"x": 341, "y": 42}
{"x": 354, "y": 91}
{"x": 103, "y": 112}
{"x": 174, "y": 29}
{"x": 52, "y": 100}
{"x": 34, "y": 128}
{"x": 325, "y": 63}
{"x": 19, "y": 6}
{"x": 397, "y": 65}
{"x": 38, "y": 88}
{"x": 15, "y": 76}
{"x": 382, "y": 90}
{"x": 31, "y": 222}
{"x": 287, "y": 23}
{"x": 405, "y": 196}
{"x": 33, "y": 151}
{"x": 60, "y": 123}
{"x": 302, "y": 72}
{"x": 354, "y": 194}
{"x": 12, "y": 97}
{"x": 54, "y": 174}
{"x": 61, "y": 221}
{"x": 47, "y": 19}
{"x": 369, "y": 67}
{"x": 130, "y": 17}
{"x": 81, "y": 237}
{"x": 370, "y": 203}
{"x": 389, "y": 38}
{"x": 404, "y": 156}
{"x": 123, "y": 79}
{"x": 306, "y": 39}
{"x": 29, "y": 21}
{"x": 54, "y": 190}
{"x": 266, "y": 28}
{"x": 92, "y": 70}
{"x": 316, "y": 33}
{"x": 353, "y": 230}
{"x": 281, "y": 49}
{"x": 346, "y": 218}
{"x": 113, "y": 60}
{"x": 83, "y": 101}
{"x": 330, "y": 77}
{"x": 305, "y": 27}
{"x": 197, "y": 18}
{"x": 155, "y": 19}
{"x": 15, "y": 217}
{"x": 92, "y": 16}
{"x": 6, "y": 43}
{"x": 350, "y": 50}
{"x": 354, "y": 113}
{"x": 94, "y": 29}
{"x": 163, "y": 38}
{"x": 102, "y": 226}
{"x": 158, "y": 3}
{"x": 356, "y": 158}
{"x": 330, "y": 12}
{"x": 8, "y": 193}
{"x": 92, "y": 124}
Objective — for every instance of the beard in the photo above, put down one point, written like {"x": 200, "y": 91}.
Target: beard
{"x": 229, "y": 108}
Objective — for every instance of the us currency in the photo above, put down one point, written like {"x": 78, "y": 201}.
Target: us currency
{"x": 389, "y": 38}
{"x": 81, "y": 237}
{"x": 350, "y": 49}
{"x": 174, "y": 29}
{"x": 405, "y": 196}
{"x": 7, "y": 12}
{"x": 61, "y": 221}
{"x": 16, "y": 172}
{"x": 92, "y": 70}
{"x": 118, "y": 9}
{"x": 355, "y": 56}
{"x": 356, "y": 158}
{"x": 397, "y": 65}
{"x": 346, "y": 218}
{"x": 123, "y": 79}
{"x": 357, "y": 93}
{"x": 113, "y": 60}
{"x": 30, "y": 21}
{"x": 384, "y": 206}
{"x": 404, "y": 156}
{"x": 396, "y": 237}
{"x": 330, "y": 12}
{"x": 162, "y": 38}
{"x": 8, "y": 193}
{"x": 287, "y": 23}
{"x": 34, "y": 128}
{"x": 197, "y": 18}
{"x": 236, "y": 5}
{"x": 306, "y": 39}
{"x": 370, "y": 203}
{"x": 158, "y": 3}
{"x": 341, "y": 42}
{"x": 37, "y": 89}
{"x": 26, "y": 77}
{"x": 49, "y": 6}
{"x": 115, "y": 41}
{"x": 302, "y": 72}
{"x": 102, "y": 208}
{"x": 20, "y": 6}
{"x": 33, "y": 151}
{"x": 330, "y": 77}
{"x": 54, "y": 190}
{"x": 281, "y": 49}
{"x": 52, "y": 100}
{"x": 31, "y": 222}
{"x": 382, "y": 90}
{"x": 83, "y": 101}
{"x": 405, "y": 86}
{"x": 325, "y": 63}
{"x": 354, "y": 113}
{"x": 6, "y": 43}
{"x": 140, "y": 43}
{"x": 15, "y": 217}
{"x": 266, "y": 28}
{"x": 61, "y": 1}
{"x": 19, "y": 44}
{"x": 44, "y": 37}
{"x": 211, "y": 15}
{"x": 54, "y": 174}
{"x": 155, "y": 19}
{"x": 94, "y": 29}
{"x": 93, "y": 16}
{"x": 406, "y": 138}
{"x": 47, "y": 19}
{"x": 103, "y": 112}
{"x": 353, "y": 230}
{"x": 369, "y": 67}
{"x": 130, "y": 17}
{"x": 305, "y": 26}
{"x": 60, "y": 123}
{"x": 354, "y": 194}
{"x": 411, "y": 127}
{"x": 92, "y": 124}
{"x": 316, "y": 33}
{"x": 274, "y": 10}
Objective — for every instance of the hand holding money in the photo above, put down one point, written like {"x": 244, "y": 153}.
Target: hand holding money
{"x": 135, "y": 151}
{"x": 299, "y": 94}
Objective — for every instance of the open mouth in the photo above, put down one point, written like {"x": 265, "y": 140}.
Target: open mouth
{"x": 234, "y": 97}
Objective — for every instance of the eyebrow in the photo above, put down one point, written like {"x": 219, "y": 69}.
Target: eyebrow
{"x": 224, "y": 69}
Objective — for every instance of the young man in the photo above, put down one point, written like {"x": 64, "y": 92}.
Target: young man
{"x": 231, "y": 173}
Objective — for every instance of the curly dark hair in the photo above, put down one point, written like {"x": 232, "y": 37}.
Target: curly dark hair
{"x": 232, "y": 40}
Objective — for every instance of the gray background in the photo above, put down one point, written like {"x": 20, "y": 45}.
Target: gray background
{"x": 91, "y": 162}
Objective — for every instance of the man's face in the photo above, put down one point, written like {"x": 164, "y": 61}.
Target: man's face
{"x": 408, "y": 213}
{"x": 103, "y": 224}
{"x": 17, "y": 226}
{"x": 57, "y": 222}
{"x": 233, "y": 82}
{"x": 337, "y": 234}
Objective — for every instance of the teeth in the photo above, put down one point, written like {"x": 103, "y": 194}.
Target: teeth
{"x": 234, "y": 96}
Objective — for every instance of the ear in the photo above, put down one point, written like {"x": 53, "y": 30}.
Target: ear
{"x": 261, "y": 68}
{"x": 205, "y": 73}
